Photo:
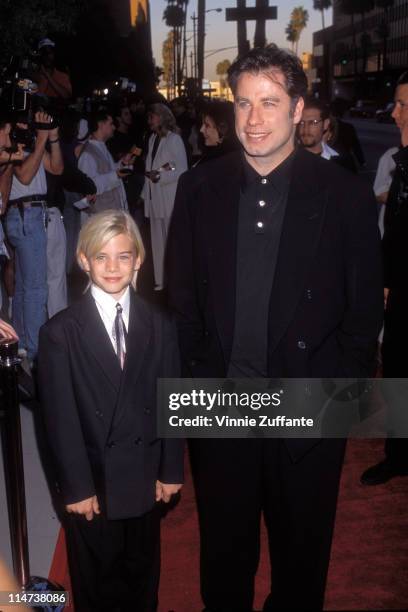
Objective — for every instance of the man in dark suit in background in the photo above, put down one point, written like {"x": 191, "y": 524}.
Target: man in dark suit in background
{"x": 274, "y": 270}
{"x": 394, "y": 348}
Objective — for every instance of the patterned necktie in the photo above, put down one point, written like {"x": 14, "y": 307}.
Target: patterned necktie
{"x": 119, "y": 335}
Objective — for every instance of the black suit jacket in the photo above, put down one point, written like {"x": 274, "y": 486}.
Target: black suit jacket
{"x": 100, "y": 421}
{"x": 326, "y": 303}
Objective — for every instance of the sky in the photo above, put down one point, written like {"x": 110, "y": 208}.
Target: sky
{"x": 221, "y": 33}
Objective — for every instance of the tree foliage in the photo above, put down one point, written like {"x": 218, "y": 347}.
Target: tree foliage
{"x": 298, "y": 21}
{"x": 222, "y": 67}
{"x": 174, "y": 14}
{"x": 322, "y": 5}
{"x": 24, "y": 22}
{"x": 291, "y": 34}
{"x": 168, "y": 57}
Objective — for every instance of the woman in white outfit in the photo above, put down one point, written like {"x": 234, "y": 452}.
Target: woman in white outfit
{"x": 166, "y": 161}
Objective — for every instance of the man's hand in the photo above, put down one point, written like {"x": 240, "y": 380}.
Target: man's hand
{"x": 123, "y": 173}
{"x": 386, "y": 292}
{"x": 154, "y": 176}
{"x": 18, "y": 155}
{"x": 164, "y": 491}
{"x": 42, "y": 117}
{"x": 127, "y": 159}
{"x": 87, "y": 507}
{"x": 6, "y": 331}
{"x": 91, "y": 198}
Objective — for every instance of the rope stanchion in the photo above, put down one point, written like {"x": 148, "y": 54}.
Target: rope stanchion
{"x": 44, "y": 595}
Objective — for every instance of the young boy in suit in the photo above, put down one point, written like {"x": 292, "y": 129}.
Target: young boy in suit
{"x": 98, "y": 364}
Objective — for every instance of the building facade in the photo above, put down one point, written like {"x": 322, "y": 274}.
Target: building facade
{"x": 361, "y": 56}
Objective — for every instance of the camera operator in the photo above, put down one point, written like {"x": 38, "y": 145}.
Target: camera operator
{"x": 7, "y": 158}
{"x": 26, "y": 226}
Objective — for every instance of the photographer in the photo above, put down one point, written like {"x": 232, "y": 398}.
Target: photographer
{"x": 26, "y": 225}
{"x": 7, "y": 157}
{"x": 97, "y": 163}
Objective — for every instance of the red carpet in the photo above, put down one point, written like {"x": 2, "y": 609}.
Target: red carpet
{"x": 369, "y": 564}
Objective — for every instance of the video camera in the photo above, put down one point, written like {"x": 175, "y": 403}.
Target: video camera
{"x": 20, "y": 97}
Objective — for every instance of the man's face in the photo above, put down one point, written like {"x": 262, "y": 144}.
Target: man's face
{"x": 400, "y": 112}
{"x": 47, "y": 57}
{"x": 126, "y": 117}
{"x": 5, "y": 135}
{"x": 312, "y": 127}
{"x": 265, "y": 121}
{"x": 107, "y": 129}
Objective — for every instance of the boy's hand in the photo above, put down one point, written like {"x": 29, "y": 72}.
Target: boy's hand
{"x": 88, "y": 507}
{"x": 164, "y": 492}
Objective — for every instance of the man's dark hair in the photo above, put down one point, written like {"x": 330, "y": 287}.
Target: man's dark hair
{"x": 118, "y": 108}
{"x": 403, "y": 79}
{"x": 320, "y": 105}
{"x": 266, "y": 60}
{"x": 96, "y": 118}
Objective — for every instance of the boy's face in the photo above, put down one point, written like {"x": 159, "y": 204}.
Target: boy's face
{"x": 113, "y": 267}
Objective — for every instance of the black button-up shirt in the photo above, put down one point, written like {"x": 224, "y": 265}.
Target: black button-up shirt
{"x": 262, "y": 208}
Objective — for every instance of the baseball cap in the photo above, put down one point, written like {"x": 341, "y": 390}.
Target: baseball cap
{"x": 45, "y": 42}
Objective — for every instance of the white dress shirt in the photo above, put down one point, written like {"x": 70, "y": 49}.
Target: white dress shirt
{"x": 106, "y": 306}
{"x": 327, "y": 152}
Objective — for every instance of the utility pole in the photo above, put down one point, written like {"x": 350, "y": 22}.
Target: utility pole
{"x": 194, "y": 18}
{"x": 200, "y": 42}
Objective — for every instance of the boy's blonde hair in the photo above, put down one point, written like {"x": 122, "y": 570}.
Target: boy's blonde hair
{"x": 102, "y": 227}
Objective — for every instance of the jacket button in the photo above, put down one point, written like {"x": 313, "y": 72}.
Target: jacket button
{"x": 138, "y": 441}
{"x": 206, "y": 333}
{"x": 110, "y": 444}
{"x": 146, "y": 410}
{"x": 193, "y": 362}
{"x": 301, "y": 344}
{"x": 205, "y": 281}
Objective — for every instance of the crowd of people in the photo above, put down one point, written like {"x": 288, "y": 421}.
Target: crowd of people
{"x": 267, "y": 259}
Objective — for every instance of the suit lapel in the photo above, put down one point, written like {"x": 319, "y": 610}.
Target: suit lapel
{"x": 222, "y": 226}
{"x": 303, "y": 222}
{"x": 98, "y": 342}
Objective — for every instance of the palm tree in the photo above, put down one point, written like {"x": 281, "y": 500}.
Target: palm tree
{"x": 299, "y": 18}
{"x": 322, "y": 5}
{"x": 175, "y": 17}
{"x": 383, "y": 30}
{"x": 291, "y": 34}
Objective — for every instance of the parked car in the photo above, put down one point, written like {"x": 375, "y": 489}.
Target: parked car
{"x": 383, "y": 115}
{"x": 363, "y": 108}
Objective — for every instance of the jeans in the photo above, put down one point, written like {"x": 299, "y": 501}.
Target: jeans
{"x": 30, "y": 297}
{"x": 56, "y": 262}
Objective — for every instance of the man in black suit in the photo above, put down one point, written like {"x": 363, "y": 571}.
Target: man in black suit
{"x": 394, "y": 348}
{"x": 274, "y": 270}
{"x": 98, "y": 366}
